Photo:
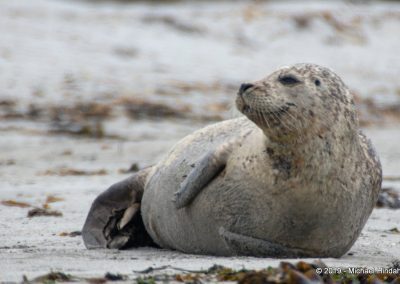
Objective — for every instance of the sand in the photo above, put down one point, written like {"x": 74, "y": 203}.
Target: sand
{"x": 58, "y": 54}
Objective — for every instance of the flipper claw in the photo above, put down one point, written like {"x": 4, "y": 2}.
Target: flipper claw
{"x": 114, "y": 219}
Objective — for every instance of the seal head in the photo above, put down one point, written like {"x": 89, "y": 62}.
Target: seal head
{"x": 290, "y": 102}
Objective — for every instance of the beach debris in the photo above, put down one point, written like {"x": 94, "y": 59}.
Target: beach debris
{"x": 115, "y": 277}
{"x": 132, "y": 169}
{"x": 81, "y": 119}
{"x": 345, "y": 30}
{"x": 73, "y": 172}
{"x": 140, "y": 109}
{"x": 300, "y": 272}
{"x": 228, "y": 274}
{"x": 70, "y": 234}
{"x": 14, "y": 203}
{"x": 66, "y": 153}
{"x": 286, "y": 272}
{"x": 51, "y": 277}
{"x": 52, "y": 199}
{"x": 8, "y": 162}
{"x": 372, "y": 113}
{"x": 388, "y": 198}
{"x": 36, "y": 212}
{"x": 8, "y": 109}
{"x": 391, "y": 178}
{"x": 125, "y": 51}
{"x": 46, "y": 206}
{"x": 99, "y": 280}
{"x": 188, "y": 278}
{"x": 81, "y": 110}
{"x": 184, "y": 87}
{"x": 93, "y": 129}
{"x": 56, "y": 276}
{"x": 170, "y": 21}
{"x": 107, "y": 277}
{"x": 302, "y": 21}
{"x": 151, "y": 269}
{"x": 146, "y": 280}
{"x": 86, "y": 119}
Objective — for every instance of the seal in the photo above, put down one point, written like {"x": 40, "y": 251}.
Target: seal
{"x": 293, "y": 177}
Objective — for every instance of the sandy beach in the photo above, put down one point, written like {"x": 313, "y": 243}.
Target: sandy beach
{"x": 89, "y": 89}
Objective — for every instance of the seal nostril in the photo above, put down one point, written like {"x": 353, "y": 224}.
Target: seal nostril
{"x": 245, "y": 87}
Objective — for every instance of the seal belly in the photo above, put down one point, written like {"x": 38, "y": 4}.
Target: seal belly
{"x": 195, "y": 229}
{"x": 192, "y": 229}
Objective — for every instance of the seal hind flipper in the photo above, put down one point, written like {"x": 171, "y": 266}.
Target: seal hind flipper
{"x": 114, "y": 219}
{"x": 246, "y": 245}
{"x": 209, "y": 166}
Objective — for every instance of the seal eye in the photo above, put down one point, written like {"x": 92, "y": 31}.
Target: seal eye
{"x": 288, "y": 80}
{"x": 317, "y": 82}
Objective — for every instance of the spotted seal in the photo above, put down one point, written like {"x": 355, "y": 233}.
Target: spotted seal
{"x": 293, "y": 177}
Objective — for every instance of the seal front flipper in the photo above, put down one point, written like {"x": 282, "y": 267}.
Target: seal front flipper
{"x": 246, "y": 245}
{"x": 209, "y": 166}
{"x": 114, "y": 219}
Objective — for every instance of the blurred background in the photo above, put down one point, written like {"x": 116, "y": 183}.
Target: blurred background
{"x": 91, "y": 91}
{"x": 104, "y": 87}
